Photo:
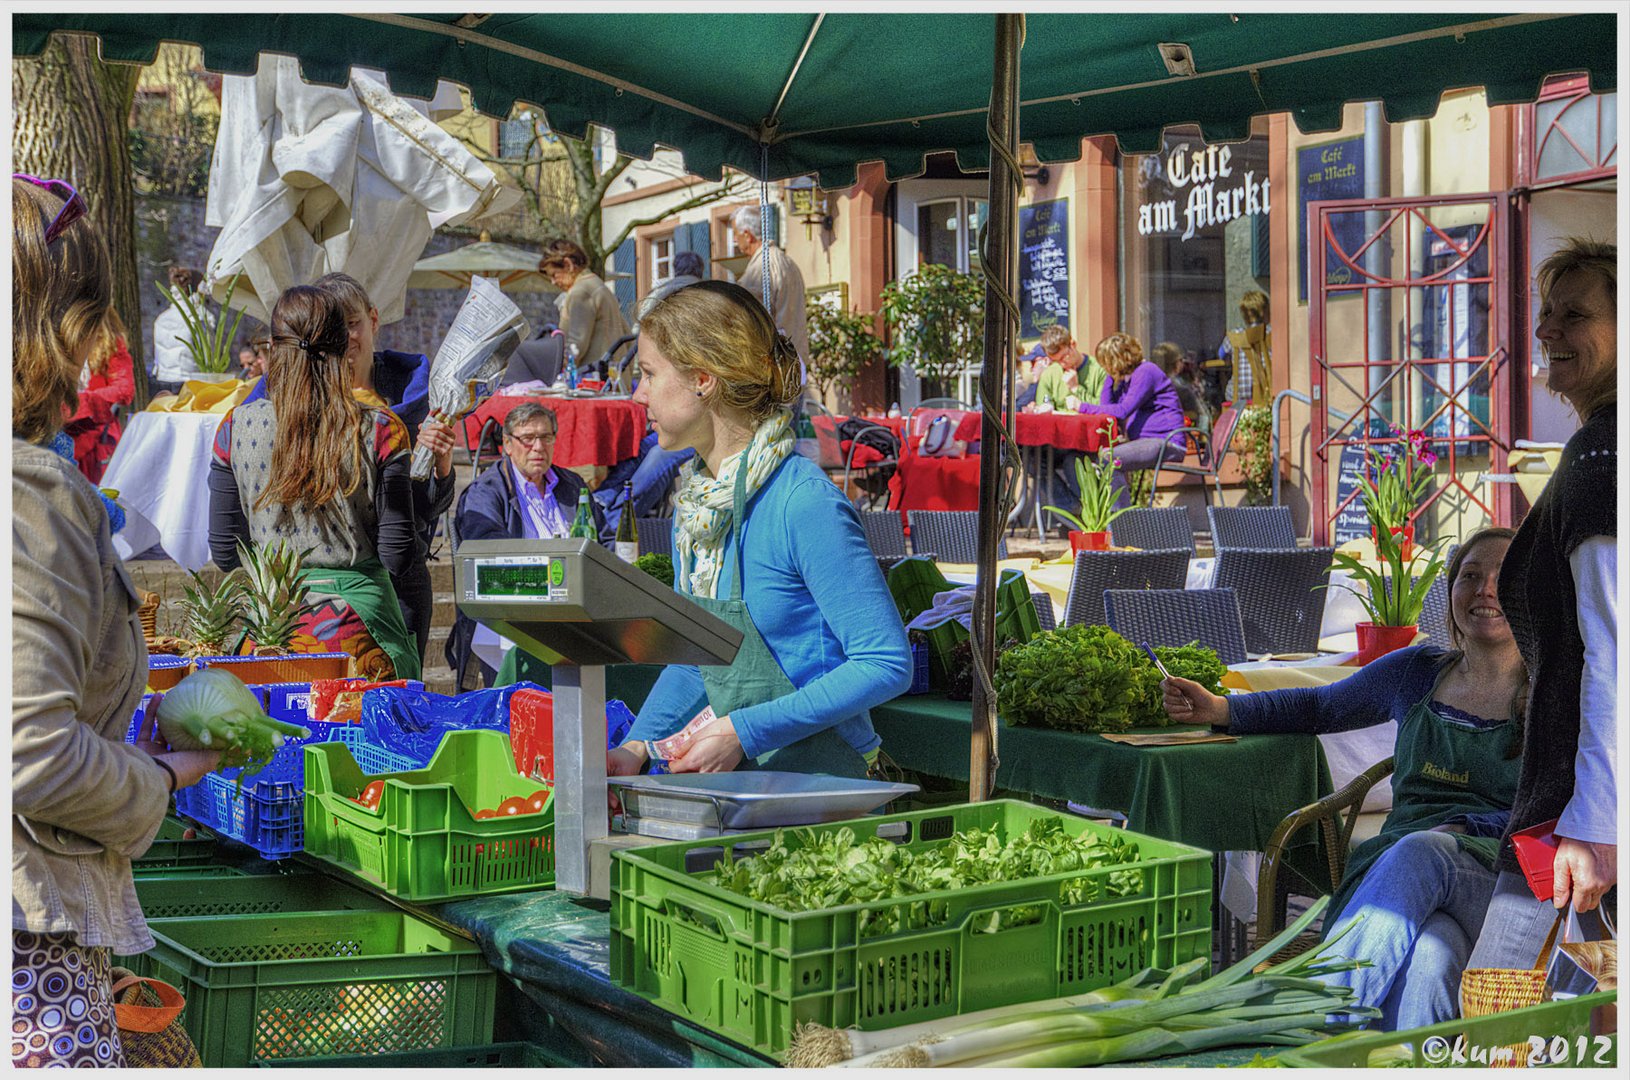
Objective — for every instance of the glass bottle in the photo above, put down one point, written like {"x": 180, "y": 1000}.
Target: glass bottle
{"x": 628, "y": 531}
{"x": 583, "y": 523}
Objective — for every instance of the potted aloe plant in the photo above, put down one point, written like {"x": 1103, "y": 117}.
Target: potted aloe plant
{"x": 208, "y": 340}
{"x": 1393, "y": 598}
{"x": 1399, "y": 485}
{"x": 1097, "y": 483}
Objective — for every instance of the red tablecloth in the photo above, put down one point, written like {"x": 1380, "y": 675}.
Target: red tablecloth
{"x": 935, "y": 483}
{"x": 1062, "y": 431}
{"x": 593, "y": 431}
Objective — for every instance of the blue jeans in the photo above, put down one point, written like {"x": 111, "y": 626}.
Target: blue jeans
{"x": 1516, "y": 927}
{"x": 651, "y": 473}
{"x": 1422, "y": 903}
{"x": 1135, "y": 455}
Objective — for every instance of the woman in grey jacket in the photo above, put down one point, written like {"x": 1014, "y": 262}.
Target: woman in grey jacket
{"x": 589, "y": 315}
{"x": 83, "y": 802}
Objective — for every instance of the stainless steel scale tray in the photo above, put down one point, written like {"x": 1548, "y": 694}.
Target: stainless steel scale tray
{"x": 752, "y": 799}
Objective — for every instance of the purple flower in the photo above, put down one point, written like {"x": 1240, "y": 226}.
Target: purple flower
{"x": 1428, "y": 458}
{"x": 1117, "y": 463}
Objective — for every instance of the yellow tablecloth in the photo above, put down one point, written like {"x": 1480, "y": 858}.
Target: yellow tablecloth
{"x": 1533, "y": 469}
{"x": 1277, "y": 675}
{"x": 197, "y": 396}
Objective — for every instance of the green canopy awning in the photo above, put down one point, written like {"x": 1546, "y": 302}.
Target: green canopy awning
{"x": 824, "y": 92}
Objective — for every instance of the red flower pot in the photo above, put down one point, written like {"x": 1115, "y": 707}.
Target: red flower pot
{"x": 1089, "y": 541}
{"x": 1376, "y": 641}
{"x": 1406, "y": 546}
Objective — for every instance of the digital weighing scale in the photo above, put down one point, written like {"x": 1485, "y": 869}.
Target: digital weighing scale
{"x": 577, "y": 607}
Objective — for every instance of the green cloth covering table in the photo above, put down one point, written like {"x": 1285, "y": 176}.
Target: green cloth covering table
{"x": 1217, "y": 796}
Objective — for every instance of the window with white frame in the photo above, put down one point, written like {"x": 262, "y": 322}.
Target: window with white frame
{"x": 662, "y": 258}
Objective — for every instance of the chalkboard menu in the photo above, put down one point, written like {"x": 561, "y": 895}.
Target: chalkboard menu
{"x": 1044, "y": 266}
{"x": 1353, "y": 523}
{"x": 1333, "y": 170}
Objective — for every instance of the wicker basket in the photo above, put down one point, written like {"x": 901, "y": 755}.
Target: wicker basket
{"x": 1485, "y": 991}
{"x": 148, "y": 613}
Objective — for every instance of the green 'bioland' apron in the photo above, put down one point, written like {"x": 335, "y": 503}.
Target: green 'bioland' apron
{"x": 754, "y": 677}
{"x": 367, "y": 588}
{"x": 1442, "y": 771}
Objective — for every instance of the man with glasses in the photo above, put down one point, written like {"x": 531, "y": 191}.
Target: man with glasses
{"x": 524, "y": 495}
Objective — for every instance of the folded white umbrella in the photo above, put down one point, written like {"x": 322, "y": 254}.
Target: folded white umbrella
{"x": 309, "y": 180}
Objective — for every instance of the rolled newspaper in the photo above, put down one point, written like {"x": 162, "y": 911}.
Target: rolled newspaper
{"x": 473, "y": 355}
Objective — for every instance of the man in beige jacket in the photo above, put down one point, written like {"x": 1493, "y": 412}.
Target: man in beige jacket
{"x": 786, "y": 304}
{"x": 589, "y": 316}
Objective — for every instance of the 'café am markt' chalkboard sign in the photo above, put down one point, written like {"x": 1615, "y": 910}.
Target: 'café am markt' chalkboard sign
{"x": 1044, "y": 266}
{"x": 1353, "y": 523}
{"x": 1333, "y": 170}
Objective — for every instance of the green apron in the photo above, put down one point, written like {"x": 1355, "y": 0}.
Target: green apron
{"x": 754, "y": 677}
{"x": 1442, "y": 771}
{"x": 367, "y": 588}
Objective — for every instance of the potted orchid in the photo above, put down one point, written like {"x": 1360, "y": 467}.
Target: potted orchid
{"x": 1400, "y": 484}
{"x": 1393, "y": 596}
{"x": 1097, "y": 483}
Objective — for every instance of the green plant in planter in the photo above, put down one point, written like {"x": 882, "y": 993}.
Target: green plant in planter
{"x": 1097, "y": 482}
{"x": 209, "y": 343}
{"x": 1400, "y": 482}
{"x": 841, "y": 343}
{"x": 1394, "y": 598}
{"x": 936, "y": 321}
{"x": 1253, "y": 438}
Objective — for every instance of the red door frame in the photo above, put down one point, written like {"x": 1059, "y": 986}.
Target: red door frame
{"x": 1498, "y": 362}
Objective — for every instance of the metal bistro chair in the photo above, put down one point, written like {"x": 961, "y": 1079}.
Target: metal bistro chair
{"x": 885, "y": 535}
{"x": 656, "y": 535}
{"x": 1279, "y": 595}
{"x": 1097, "y": 571}
{"x": 953, "y": 535}
{"x": 1256, "y": 527}
{"x": 1178, "y": 617}
{"x": 1159, "y": 528}
{"x": 1211, "y": 448}
{"x": 943, "y": 403}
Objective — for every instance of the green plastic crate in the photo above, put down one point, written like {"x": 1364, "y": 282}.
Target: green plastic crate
{"x": 203, "y": 870}
{"x": 752, "y": 972}
{"x": 914, "y": 582}
{"x": 423, "y": 844}
{"x": 514, "y": 1055}
{"x": 172, "y": 848}
{"x": 250, "y": 894}
{"x": 1477, "y": 1043}
{"x": 323, "y": 983}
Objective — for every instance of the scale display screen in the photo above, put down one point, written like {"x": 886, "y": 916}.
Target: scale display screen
{"x": 518, "y": 577}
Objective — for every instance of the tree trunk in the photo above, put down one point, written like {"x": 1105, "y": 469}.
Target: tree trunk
{"x": 72, "y": 119}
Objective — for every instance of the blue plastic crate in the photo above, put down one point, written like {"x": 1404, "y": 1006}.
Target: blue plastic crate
{"x": 289, "y": 702}
{"x": 140, "y": 715}
{"x": 370, "y": 757}
{"x": 269, "y": 813}
{"x": 919, "y": 668}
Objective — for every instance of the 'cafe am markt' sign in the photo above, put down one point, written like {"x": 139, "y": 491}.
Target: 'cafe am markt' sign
{"x": 1211, "y": 188}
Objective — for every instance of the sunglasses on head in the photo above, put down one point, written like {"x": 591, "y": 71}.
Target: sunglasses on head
{"x": 73, "y": 204}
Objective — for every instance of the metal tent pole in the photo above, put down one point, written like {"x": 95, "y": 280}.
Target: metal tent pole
{"x": 995, "y": 387}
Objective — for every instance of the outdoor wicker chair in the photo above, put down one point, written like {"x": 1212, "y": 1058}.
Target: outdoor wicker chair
{"x": 1044, "y": 610}
{"x": 656, "y": 535}
{"x": 1178, "y": 617}
{"x": 1434, "y": 621}
{"x": 1159, "y": 528}
{"x": 1258, "y": 527}
{"x": 884, "y": 533}
{"x": 1097, "y": 571}
{"x": 1279, "y": 595}
{"x": 1335, "y": 816}
{"x": 953, "y": 535}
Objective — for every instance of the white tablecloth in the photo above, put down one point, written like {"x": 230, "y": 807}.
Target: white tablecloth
{"x": 161, "y": 471}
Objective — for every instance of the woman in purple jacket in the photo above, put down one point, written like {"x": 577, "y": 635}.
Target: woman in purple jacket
{"x": 1143, "y": 402}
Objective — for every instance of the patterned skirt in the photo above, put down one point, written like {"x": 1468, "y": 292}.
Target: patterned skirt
{"x": 62, "y": 1004}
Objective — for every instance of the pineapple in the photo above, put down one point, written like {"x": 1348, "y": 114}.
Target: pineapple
{"x": 210, "y": 615}
{"x": 275, "y": 595}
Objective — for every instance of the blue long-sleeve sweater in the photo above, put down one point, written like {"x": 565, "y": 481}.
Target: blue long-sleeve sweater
{"x": 818, "y": 599}
{"x": 1384, "y": 689}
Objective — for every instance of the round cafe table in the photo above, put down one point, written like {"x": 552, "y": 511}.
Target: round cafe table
{"x": 594, "y": 430}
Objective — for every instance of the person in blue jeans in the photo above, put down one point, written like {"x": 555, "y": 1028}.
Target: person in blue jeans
{"x": 1415, "y": 895}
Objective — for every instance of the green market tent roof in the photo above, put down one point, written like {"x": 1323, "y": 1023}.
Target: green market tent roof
{"x": 819, "y": 93}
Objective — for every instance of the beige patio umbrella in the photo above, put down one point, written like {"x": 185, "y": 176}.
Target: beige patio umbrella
{"x": 515, "y": 269}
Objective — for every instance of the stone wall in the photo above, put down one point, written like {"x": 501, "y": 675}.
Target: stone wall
{"x": 171, "y": 232}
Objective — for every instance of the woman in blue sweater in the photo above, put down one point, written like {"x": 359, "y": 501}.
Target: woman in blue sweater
{"x": 1419, "y": 890}
{"x": 764, "y": 540}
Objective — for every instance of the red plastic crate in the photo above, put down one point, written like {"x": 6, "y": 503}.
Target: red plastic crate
{"x": 532, "y": 733}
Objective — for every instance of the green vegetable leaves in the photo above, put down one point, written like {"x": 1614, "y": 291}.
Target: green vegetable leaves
{"x": 1089, "y": 678}
{"x": 212, "y": 709}
{"x": 816, "y": 871}
{"x": 658, "y": 565}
